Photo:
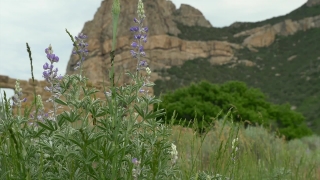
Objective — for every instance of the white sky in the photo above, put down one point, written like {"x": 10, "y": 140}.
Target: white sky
{"x": 41, "y": 22}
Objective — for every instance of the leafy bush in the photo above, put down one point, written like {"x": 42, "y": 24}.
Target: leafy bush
{"x": 206, "y": 100}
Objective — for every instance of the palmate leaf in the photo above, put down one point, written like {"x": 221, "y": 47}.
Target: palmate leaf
{"x": 48, "y": 126}
{"x": 139, "y": 110}
{"x": 70, "y": 116}
{"x": 59, "y": 101}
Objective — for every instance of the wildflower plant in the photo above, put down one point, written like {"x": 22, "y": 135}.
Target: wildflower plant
{"x": 117, "y": 137}
{"x": 17, "y": 97}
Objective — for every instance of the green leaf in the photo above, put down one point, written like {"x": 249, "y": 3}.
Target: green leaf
{"x": 59, "y": 101}
{"x": 155, "y": 114}
{"x": 50, "y": 128}
{"x": 139, "y": 111}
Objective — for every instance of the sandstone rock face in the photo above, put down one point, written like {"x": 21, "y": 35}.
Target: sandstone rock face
{"x": 261, "y": 38}
{"x": 313, "y": 3}
{"x": 161, "y": 49}
{"x": 246, "y": 63}
{"x": 190, "y": 16}
{"x": 265, "y": 35}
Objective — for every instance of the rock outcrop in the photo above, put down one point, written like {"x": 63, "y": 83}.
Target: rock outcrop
{"x": 161, "y": 49}
{"x": 265, "y": 35}
{"x": 164, "y": 49}
{"x": 190, "y": 16}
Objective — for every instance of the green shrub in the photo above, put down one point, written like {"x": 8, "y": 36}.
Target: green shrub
{"x": 205, "y": 100}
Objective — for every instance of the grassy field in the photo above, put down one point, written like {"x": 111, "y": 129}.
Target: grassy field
{"x": 261, "y": 155}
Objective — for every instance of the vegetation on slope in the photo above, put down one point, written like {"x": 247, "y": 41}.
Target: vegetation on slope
{"x": 294, "y": 81}
{"x": 198, "y": 33}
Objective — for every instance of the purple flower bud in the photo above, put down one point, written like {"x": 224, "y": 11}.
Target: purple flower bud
{"x": 46, "y": 66}
{"x": 138, "y": 36}
{"x": 134, "y": 29}
{"x": 80, "y": 35}
{"x": 136, "y": 20}
{"x": 134, "y": 44}
{"x": 141, "y": 90}
{"x": 145, "y": 29}
{"x": 144, "y": 38}
{"x": 49, "y": 56}
{"x": 143, "y": 63}
{"x": 45, "y": 74}
{"x": 135, "y": 161}
{"x": 141, "y": 49}
{"x": 55, "y": 59}
{"x": 133, "y": 53}
{"x": 24, "y": 99}
{"x": 142, "y": 53}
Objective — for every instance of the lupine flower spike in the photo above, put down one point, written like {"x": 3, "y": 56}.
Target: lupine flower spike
{"x": 138, "y": 51}
{"x": 140, "y": 35}
{"x": 82, "y": 51}
{"x": 17, "y": 95}
{"x": 51, "y": 76}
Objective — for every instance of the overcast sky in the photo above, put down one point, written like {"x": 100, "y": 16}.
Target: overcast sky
{"x": 41, "y": 22}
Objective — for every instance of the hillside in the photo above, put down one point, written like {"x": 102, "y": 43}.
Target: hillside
{"x": 287, "y": 69}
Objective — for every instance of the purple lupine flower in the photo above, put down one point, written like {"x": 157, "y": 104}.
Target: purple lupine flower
{"x": 143, "y": 63}
{"x": 143, "y": 53}
{"x": 133, "y": 53}
{"x": 144, "y": 38}
{"x": 82, "y": 51}
{"x": 46, "y": 66}
{"x": 145, "y": 29}
{"x": 53, "y": 57}
{"x": 135, "y": 161}
{"x": 141, "y": 48}
{"x": 134, "y": 44}
{"x": 137, "y": 36}
{"x": 134, "y": 29}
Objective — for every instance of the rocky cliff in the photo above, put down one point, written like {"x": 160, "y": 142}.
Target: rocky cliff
{"x": 164, "y": 49}
{"x": 161, "y": 49}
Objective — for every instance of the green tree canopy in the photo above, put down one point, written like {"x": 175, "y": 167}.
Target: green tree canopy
{"x": 205, "y": 101}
